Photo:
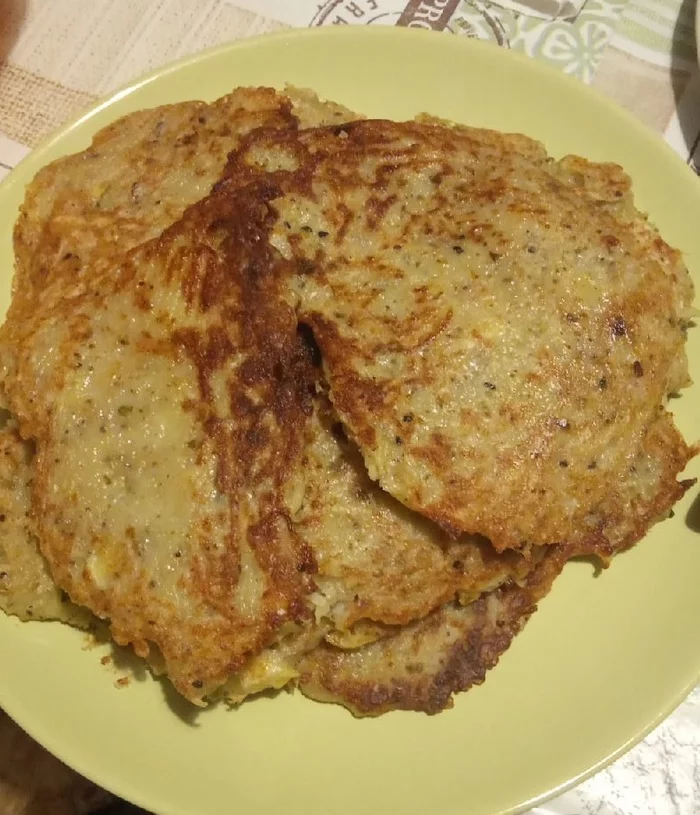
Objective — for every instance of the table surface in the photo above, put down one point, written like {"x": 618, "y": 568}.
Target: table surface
{"x": 58, "y": 56}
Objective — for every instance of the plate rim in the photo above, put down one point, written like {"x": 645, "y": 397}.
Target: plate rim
{"x": 330, "y": 32}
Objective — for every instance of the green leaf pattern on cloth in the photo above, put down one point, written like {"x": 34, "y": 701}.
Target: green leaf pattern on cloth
{"x": 577, "y": 49}
{"x": 574, "y": 45}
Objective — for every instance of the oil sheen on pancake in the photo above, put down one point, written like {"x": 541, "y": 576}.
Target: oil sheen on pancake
{"x": 423, "y": 664}
{"x": 376, "y": 561}
{"x": 376, "y": 564}
{"x": 168, "y": 404}
{"x": 79, "y": 215}
{"x": 499, "y": 331}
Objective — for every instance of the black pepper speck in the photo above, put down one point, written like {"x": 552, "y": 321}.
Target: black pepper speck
{"x": 619, "y": 327}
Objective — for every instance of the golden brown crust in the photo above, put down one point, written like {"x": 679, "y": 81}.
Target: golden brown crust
{"x": 168, "y": 407}
{"x": 424, "y": 664}
{"x": 137, "y": 178}
{"x": 378, "y": 562}
{"x": 80, "y": 213}
{"x": 521, "y": 312}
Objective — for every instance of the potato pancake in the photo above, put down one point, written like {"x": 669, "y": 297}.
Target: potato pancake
{"x": 499, "y": 331}
{"x": 80, "y": 214}
{"x": 168, "y": 404}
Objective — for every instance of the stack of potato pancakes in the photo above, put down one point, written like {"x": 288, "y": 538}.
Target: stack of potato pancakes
{"x": 294, "y": 397}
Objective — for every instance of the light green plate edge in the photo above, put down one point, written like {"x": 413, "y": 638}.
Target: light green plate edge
{"x": 602, "y": 663}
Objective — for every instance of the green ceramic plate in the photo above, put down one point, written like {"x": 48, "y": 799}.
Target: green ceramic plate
{"x": 603, "y": 661}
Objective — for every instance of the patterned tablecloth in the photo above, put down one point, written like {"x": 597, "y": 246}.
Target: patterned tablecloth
{"x": 58, "y": 56}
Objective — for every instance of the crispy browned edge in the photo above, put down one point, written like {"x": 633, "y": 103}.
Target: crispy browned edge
{"x": 331, "y": 675}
